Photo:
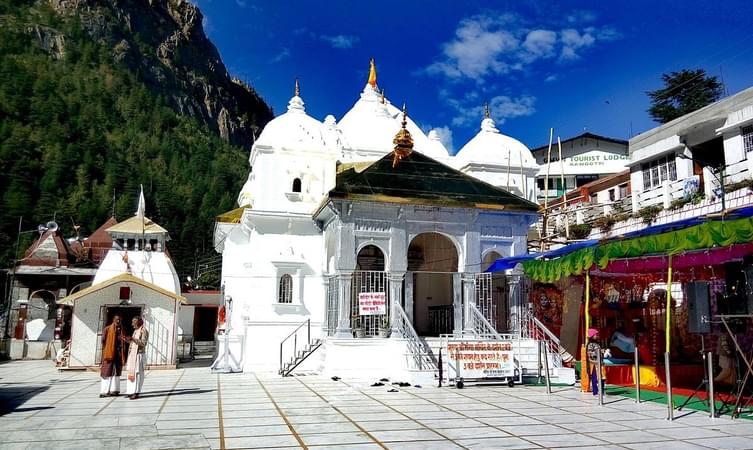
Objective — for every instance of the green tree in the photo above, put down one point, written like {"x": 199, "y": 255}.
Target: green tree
{"x": 683, "y": 92}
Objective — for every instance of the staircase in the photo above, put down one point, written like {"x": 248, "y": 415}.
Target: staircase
{"x": 299, "y": 357}
{"x": 204, "y": 349}
{"x": 299, "y": 351}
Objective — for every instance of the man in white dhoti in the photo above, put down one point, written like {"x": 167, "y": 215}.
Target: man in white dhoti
{"x": 136, "y": 358}
{"x": 113, "y": 343}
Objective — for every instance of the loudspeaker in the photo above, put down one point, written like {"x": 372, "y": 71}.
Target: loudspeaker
{"x": 699, "y": 315}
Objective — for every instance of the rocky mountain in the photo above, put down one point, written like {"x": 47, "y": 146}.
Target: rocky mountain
{"x": 164, "y": 42}
{"x": 100, "y": 97}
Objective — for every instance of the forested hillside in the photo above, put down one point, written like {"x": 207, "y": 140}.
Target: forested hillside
{"x": 80, "y": 130}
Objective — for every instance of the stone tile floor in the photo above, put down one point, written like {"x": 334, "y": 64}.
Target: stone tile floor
{"x": 193, "y": 408}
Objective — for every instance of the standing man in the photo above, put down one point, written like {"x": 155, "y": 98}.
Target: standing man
{"x": 136, "y": 358}
{"x": 112, "y": 358}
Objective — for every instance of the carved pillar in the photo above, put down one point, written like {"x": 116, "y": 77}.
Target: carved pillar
{"x": 396, "y": 296}
{"x": 409, "y": 296}
{"x": 457, "y": 304}
{"x": 515, "y": 301}
{"x": 344, "y": 308}
{"x": 469, "y": 296}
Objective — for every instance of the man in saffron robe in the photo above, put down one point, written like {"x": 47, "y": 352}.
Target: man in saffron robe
{"x": 113, "y": 352}
{"x": 136, "y": 358}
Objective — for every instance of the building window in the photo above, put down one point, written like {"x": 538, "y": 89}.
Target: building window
{"x": 623, "y": 190}
{"x": 540, "y": 182}
{"x": 611, "y": 195}
{"x": 297, "y": 185}
{"x": 747, "y": 133}
{"x": 285, "y": 292}
{"x": 658, "y": 171}
{"x": 580, "y": 180}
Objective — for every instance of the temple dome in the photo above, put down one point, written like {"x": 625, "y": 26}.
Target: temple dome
{"x": 490, "y": 146}
{"x": 293, "y": 130}
{"x": 436, "y": 149}
{"x": 373, "y": 121}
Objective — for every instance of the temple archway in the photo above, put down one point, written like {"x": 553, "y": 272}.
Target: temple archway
{"x": 489, "y": 260}
{"x": 432, "y": 259}
{"x": 370, "y": 257}
{"x": 492, "y": 295}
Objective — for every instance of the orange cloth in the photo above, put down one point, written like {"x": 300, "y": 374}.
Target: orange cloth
{"x": 111, "y": 337}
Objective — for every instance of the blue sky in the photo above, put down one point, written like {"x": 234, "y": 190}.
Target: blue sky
{"x": 573, "y": 66}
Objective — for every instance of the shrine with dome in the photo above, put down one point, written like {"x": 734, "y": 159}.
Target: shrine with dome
{"x": 365, "y": 237}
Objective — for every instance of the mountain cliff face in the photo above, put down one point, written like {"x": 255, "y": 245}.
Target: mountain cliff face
{"x": 163, "y": 41}
{"x": 100, "y": 97}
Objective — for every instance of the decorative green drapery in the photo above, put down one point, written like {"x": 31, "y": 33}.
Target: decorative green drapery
{"x": 706, "y": 235}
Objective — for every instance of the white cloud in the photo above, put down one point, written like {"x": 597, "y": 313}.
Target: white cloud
{"x": 241, "y": 3}
{"x": 283, "y": 54}
{"x": 572, "y": 41}
{"x": 475, "y": 52}
{"x": 581, "y": 16}
{"x": 550, "y": 78}
{"x": 501, "y": 108}
{"x": 340, "y": 41}
{"x": 540, "y": 43}
{"x": 445, "y": 137}
{"x": 490, "y": 45}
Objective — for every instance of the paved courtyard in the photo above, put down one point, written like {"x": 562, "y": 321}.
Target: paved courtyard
{"x": 192, "y": 408}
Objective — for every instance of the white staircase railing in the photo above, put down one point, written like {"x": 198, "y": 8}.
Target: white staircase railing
{"x": 418, "y": 350}
{"x": 481, "y": 325}
{"x": 532, "y": 328}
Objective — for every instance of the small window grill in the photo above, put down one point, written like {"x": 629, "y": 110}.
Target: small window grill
{"x": 285, "y": 294}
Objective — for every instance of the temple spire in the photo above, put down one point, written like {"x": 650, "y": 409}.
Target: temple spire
{"x": 297, "y": 90}
{"x": 372, "y": 73}
{"x": 487, "y": 114}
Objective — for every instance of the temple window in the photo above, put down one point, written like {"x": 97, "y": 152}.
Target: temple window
{"x": 297, "y": 185}
{"x": 285, "y": 291}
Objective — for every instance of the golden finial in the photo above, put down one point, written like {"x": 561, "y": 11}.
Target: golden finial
{"x": 297, "y": 88}
{"x": 372, "y": 73}
{"x": 403, "y": 141}
{"x": 487, "y": 115}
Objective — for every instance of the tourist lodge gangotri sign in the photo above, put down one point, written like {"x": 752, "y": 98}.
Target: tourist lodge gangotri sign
{"x": 589, "y": 162}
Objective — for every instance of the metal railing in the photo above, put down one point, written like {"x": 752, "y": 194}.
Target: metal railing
{"x": 480, "y": 325}
{"x": 295, "y": 345}
{"x": 441, "y": 319}
{"x": 419, "y": 352}
{"x": 369, "y": 281}
{"x": 533, "y": 329}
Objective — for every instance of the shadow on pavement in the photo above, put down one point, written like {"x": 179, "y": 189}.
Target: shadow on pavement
{"x": 13, "y": 397}
{"x": 174, "y": 392}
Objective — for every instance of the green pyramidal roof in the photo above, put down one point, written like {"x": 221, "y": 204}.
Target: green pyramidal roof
{"x": 418, "y": 179}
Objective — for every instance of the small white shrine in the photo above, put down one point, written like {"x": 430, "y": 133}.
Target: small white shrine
{"x": 136, "y": 278}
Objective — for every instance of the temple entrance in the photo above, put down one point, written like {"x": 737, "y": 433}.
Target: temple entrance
{"x": 204, "y": 323}
{"x": 370, "y": 279}
{"x": 433, "y": 259}
{"x": 492, "y": 295}
{"x": 107, "y": 313}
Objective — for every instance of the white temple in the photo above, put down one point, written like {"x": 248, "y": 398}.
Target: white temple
{"x": 337, "y": 214}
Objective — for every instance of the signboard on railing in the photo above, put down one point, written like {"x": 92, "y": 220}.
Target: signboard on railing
{"x": 472, "y": 358}
{"x": 372, "y": 303}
